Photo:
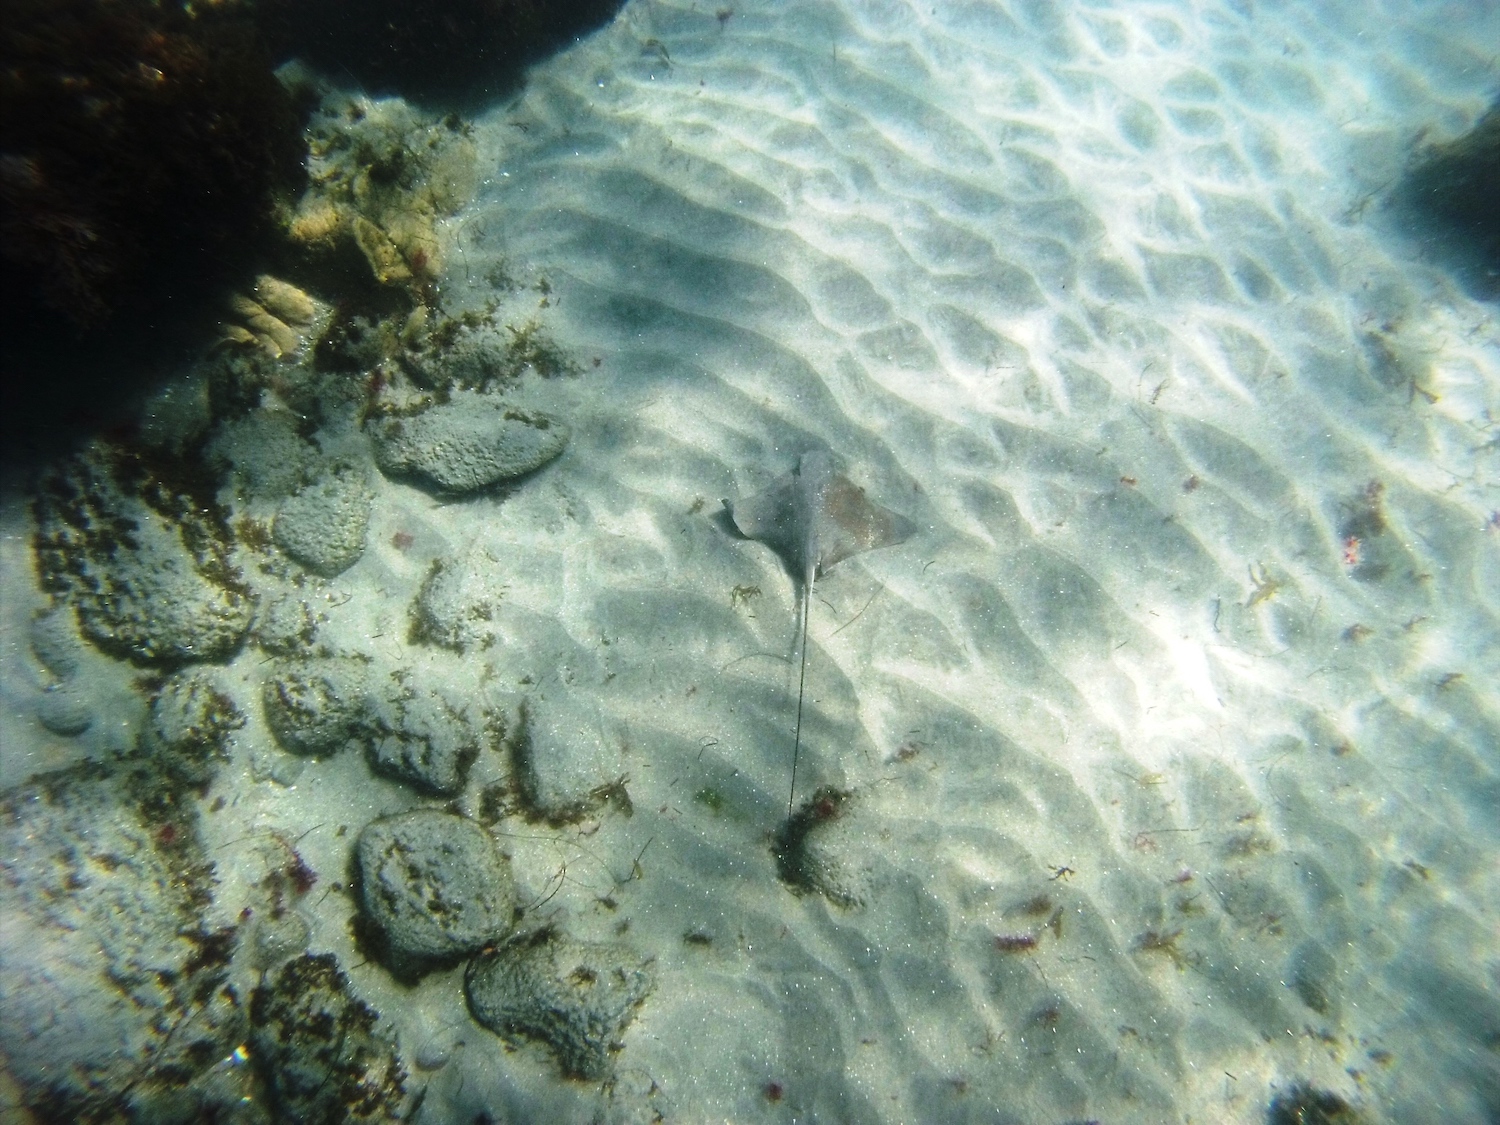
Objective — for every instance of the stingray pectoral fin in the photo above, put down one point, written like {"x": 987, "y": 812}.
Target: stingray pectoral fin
{"x": 770, "y": 517}
{"x": 854, "y": 523}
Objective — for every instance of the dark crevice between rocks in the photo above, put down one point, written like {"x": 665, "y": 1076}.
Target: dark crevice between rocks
{"x": 1449, "y": 204}
{"x": 443, "y": 54}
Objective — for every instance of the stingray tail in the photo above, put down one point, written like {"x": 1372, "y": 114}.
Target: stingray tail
{"x": 807, "y": 588}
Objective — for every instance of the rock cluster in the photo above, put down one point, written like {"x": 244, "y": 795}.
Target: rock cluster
{"x": 317, "y": 706}
{"x": 226, "y": 521}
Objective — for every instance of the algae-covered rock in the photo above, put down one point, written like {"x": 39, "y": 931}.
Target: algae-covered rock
{"x": 113, "y": 996}
{"x": 1306, "y": 1104}
{"x": 564, "y": 767}
{"x": 576, "y": 997}
{"x": 819, "y": 848}
{"x": 315, "y": 707}
{"x": 323, "y": 525}
{"x": 434, "y": 884}
{"x": 415, "y": 734}
{"x": 474, "y": 352}
{"x": 324, "y": 1054}
{"x": 455, "y": 607}
{"x": 424, "y": 739}
{"x": 467, "y": 444}
{"x": 189, "y": 725}
{"x": 144, "y": 564}
{"x": 286, "y": 626}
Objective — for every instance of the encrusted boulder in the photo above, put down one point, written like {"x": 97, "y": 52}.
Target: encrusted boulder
{"x": 423, "y": 739}
{"x": 435, "y": 885}
{"x": 324, "y": 1054}
{"x": 315, "y": 707}
{"x": 323, "y": 525}
{"x": 455, "y": 606}
{"x": 144, "y": 564}
{"x": 564, "y": 766}
{"x": 263, "y": 451}
{"x": 576, "y": 997}
{"x": 285, "y": 626}
{"x": 114, "y": 1002}
{"x": 467, "y": 444}
{"x": 189, "y": 725}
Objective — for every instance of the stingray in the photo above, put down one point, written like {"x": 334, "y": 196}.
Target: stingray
{"x": 815, "y": 517}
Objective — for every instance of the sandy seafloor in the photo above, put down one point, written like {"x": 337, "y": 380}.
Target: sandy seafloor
{"x": 1104, "y": 298}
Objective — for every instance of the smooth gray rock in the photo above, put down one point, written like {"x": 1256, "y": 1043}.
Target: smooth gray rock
{"x": 435, "y": 884}
{"x": 64, "y": 711}
{"x": 55, "y": 643}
